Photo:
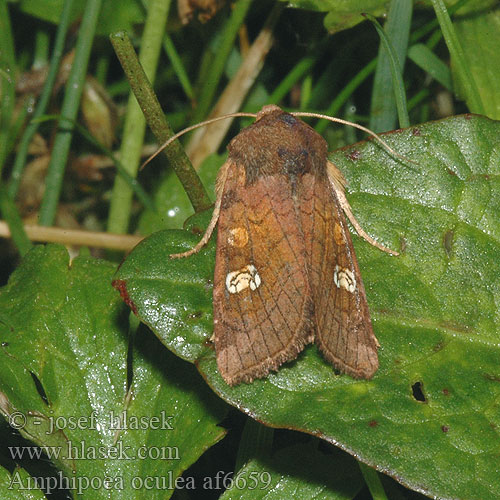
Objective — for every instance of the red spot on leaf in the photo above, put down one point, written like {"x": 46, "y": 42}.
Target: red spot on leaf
{"x": 121, "y": 286}
{"x": 445, "y": 428}
{"x": 354, "y": 155}
{"x": 373, "y": 423}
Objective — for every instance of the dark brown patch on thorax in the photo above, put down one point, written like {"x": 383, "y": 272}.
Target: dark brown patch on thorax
{"x": 279, "y": 143}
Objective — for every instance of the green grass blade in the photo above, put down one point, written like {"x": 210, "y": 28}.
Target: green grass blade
{"x": 131, "y": 182}
{"x": 71, "y": 103}
{"x": 178, "y": 66}
{"x": 464, "y": 75}
{"x": 31, "y": 129}
{"x": 423, "y": 57}
{"x": 388, "y": 97}
{"x": 42, "y": 48}
{"x": 372, "y": 480}
{"x": 295, "y": 74}
{"x": 228, "y": 35}
{"x": 256, "y": 441}
{"x": 346, "y": 93}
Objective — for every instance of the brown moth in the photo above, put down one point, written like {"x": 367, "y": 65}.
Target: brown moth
{"x": 286, "y": 273}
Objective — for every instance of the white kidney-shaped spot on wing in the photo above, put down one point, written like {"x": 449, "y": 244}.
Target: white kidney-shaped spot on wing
{"x": 238, "y": 237}
{"x": 344, "y": 278}
{"x": 245, "y": 277}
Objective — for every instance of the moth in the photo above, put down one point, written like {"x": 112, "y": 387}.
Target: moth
{"x": 286, "y": 272}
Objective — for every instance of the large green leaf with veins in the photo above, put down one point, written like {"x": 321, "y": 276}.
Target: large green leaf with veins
{"x": 114, "y": 416}
{"x": 430, "y": 417}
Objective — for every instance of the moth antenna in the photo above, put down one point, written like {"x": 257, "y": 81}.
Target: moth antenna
{"x": 193, "y": 127}
{"x": 219, "y": 189}
{"x": 360, "y": 127}
{"x": 338, "y": 186}
{"x": 336, "y": 178}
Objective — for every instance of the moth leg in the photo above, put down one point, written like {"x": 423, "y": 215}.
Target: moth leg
{"x": 338, "y": 184}
{"x": 219, "y": 189}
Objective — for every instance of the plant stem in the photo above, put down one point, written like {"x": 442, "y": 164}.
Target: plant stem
{"x": 65, "y": 236}
{"x": 157, "y": 122}
{"x": 206, "y": 141}
{"x": 135, "y": 122}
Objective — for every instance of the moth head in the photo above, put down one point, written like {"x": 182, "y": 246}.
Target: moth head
{"x": 267, "y": 110}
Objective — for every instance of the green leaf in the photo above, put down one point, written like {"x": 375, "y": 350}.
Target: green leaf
{"x": 342, "y": 15}
{"x": 346, "y": 14}
{"x": 115, "y": 15}
{"x": 299, "y": 471}
{"x": 434, "y": 310}
{"x": 18, "y": 486}
{"x": 63, "y": 353}
{"x": 172, "y": 297}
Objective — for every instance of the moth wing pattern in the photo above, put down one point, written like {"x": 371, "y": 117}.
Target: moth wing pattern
{"x": 263, "y": 312}
{"x": 344, "y": 331}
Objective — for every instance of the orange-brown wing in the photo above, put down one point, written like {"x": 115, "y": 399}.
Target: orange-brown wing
{"x": 344, "y": 332}
{"x": 262, "y": 299}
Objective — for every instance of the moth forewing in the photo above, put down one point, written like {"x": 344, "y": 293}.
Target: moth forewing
{"x": 343, "y": 328}
{"x": 262, "y": 298}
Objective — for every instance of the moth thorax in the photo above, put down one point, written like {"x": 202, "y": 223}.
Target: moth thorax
{"x": 281, "y": 149}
